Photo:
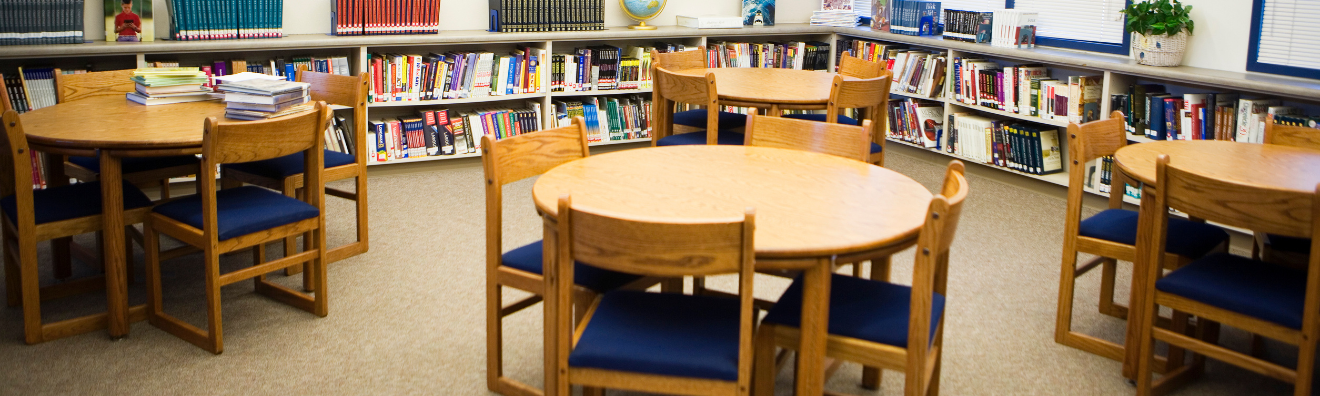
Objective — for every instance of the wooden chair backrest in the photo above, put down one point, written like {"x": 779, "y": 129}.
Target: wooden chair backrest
{"x": 1291, "y": 135}
{"x": 679, "y": 60}
{"x": 17, "y": 180}
{"x": 1087, "y": 142}
{"x": 846, "y": 141}
{"x": 671, "y": 87}
{"x": 852, "y": 66}
{"x": 870, "y": 94}
{"x": 71, "y": 87}
{"x": 348, "y": 91}
{"x": 931, "y": 264}
{"x": 5, "y": 105}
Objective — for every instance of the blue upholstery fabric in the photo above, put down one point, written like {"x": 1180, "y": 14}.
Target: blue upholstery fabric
{"x": 697, "y": 119}
{"x": 820, "y": 117}
{"x": 875, "y": 148}
{"x": 136, "y": 164}
{"x": 289, "y": 165}
{"x": 240, "y": 211}
{"x": 698, "y": 138}
{"x": 662, "y": 333}
{"x": 71, "y": 202}
{"x": 1186, "y": 238}
{"x": 528, "y": 258}
{"x": 860, "y": 308}
{"x": 1289, "y": 244}
{"x": 1238, "y": 284}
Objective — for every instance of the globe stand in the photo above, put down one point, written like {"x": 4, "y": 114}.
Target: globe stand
{"x": 641, "y": 25}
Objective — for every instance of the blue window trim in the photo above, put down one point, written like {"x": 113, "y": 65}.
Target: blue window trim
{"x": 1094, "y": 46}
{"x": 1253, "y": 48}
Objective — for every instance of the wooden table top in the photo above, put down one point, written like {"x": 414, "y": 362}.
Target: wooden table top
{"x": 807, "y": 204}
{"x": 774, "y": 86}
{"x": 1265, "y": 165}
{"x": 113, "y": 122}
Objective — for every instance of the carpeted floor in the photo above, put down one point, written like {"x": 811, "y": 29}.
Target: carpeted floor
{"x": 408, "y": 316}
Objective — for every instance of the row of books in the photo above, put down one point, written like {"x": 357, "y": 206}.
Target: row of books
{"x": 916, "y": 121}
{"x": 225, "y": 19}
{"x": 546, "y": 16}
{"x": 1026, "y": 90}
{"x": 608, "y": 118}
{"x": 601, "y": 68}
{"x": 1024, "y": 147}
{"x": 1013, "y": 28}
{"x": 31, "y": 88}
{"x": 377, "y": 17}
{"x": 914, "y": 17}
{"x": 455, "y": 75}
{"x": 440, "y": 132}
{"x": 916, "y": 72}
{"x": 809, "y": 55}
{"x": 968, "y": 26}
{"x": 28, "y": 22}
{"x": 1151, "y": 111}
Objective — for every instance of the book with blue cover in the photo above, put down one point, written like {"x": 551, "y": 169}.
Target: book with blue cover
{"x": 758, "y": 12}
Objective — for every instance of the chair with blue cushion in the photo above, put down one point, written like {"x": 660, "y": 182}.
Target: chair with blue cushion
{"x": 868, "y": 92}
{"x": 1262, "y": 298}
{"x": 1111, "y": 234}
{"x": 1277, "y": 248}
{"x": 32, "y": 216}
{"x": 286, "y": 173}
{"x": 506, "y": 161}
{"x": 655, "y": 342}
{"x": 695, "y": 119}
{"x": 879, "y": 324}
{"x": 246, "y": 217}
{"x": 670, "y": 88}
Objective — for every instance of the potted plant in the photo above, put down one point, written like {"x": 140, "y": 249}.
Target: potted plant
{"x": 1159, "y": 31}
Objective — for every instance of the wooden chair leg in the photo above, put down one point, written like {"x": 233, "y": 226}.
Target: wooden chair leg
{"x": 59, "y": 251}
{"x": 1306, "y": 364}
{"x": 13, "y": 288}
{"x": 872, "y": 377}
{"x": 1108, "y": 277}
{"x": 1067, "y": 280}
{"x": 763, "y": 361}
{"x": 215, "y": 331}
{"x": 361, "y": 204}
{"x": 494, "y": 334}
{"x": 165, "y": 188}
{"x": 674, "y": 285}
{"x": 31, "y": 291}
{"x": 309, "y": 279}
{"x": 1176, "y": 356}
{"x": 151, "y": 251}
{"x": 321, "y": 304}
{"x": 291, "y": 243}
{"x": 131, "y": 273}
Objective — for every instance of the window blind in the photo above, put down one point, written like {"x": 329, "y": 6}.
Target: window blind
{"x": 1288, "y": 32}
{"x": 1086, "y": 20}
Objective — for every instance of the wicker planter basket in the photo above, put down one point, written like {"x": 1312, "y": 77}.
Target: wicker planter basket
{"x": 1159, "y": 50}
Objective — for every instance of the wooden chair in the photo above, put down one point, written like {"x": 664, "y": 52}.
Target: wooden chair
{"x": 1111, "y": 234}
{"x": 877, "y": 323}
{"x": 1276, "y": 248}
{"x": 835, "y": 139}
{"x": 286, "y": 173}
{"x": 506, "y": 161}
{"x": 1264, "y": 299}
{"x": 669, "y": 88}
{"x": 140, "y": 171}
{"x": 693, "y": 120}
{"x": 31, "y": 216}
{"x": 870, "y": 95}
{"x": 246, "y": 217}
{"x": 5, "y": 105}
{"x": 656, "y": 342}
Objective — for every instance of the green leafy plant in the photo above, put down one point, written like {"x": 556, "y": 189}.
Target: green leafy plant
{"x": 1159, "y": 17}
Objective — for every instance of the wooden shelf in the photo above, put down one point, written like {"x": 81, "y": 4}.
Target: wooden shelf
{"x": 480, "y": 99}
{"x": 1060, "y": 178}
{"x": 600, "y": 92}
{"x": 915, "y": 96}
{"x": 1038, "y": 120}
{"x": 478, "y": 153}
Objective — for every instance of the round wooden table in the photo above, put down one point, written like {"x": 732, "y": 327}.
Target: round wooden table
{"x": 116, "y": 128}
{"x": 764, "y": 87}
{"x": 1265, "y": 165}
{"x": 810, "y": 209}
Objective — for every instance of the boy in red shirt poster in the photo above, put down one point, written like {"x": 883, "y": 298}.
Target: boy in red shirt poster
{"x": 128, "y": 20}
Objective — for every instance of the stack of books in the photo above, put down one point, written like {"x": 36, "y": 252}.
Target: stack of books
{"x": 167, "y": 85}
{"x": 836, "y": 18}
{"x": 250, "y": 97}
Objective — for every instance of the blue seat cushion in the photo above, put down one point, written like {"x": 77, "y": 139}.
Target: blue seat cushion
{"x": 697, "y": 119}
{"x": 662, "y": 333}
{"x": 820, "y": 117}
{"x": 1186, "y": 238}
{"x": 698, "y": 138}
{"x": 860, "y": 308}
{"x": 875, "y": 148}
{"x": 289, "y": 165}
{"x": 136, "y": 164}
{"x": 71, "y": 202}
{"x": 240, "y": 211}
{"x": 1289, "y": 244}
{"x": 1242, "y": 285}
{"x": 528, "y": 258}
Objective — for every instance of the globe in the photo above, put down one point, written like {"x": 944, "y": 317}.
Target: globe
{"x": 642, "y": 10}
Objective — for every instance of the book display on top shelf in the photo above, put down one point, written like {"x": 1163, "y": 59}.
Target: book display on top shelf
{"x": 758, "y": 12}
{"x": 192, "y": 20}
{"x": 45, "y": 22}
{"x": 377, "y": 17}
{"x": 129, "y": 21}
{"x": 541, "y": 16}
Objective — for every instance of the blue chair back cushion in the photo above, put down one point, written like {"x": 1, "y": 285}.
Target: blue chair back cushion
{"x": 240, "y": 211}
{"x": 289, "y": 165}
{"x": 697, "y": 119}
{"x": 136, "y": 164}
{"x": 71, "y": 202}
{"x": 860, "y": 308}
{"x": 1186, "y": 238}
{"x": 528, "y": 258}
{"x": 662, "y": 333}
{"x": 725, "y": 138}
{"x": 1249, "y": 287}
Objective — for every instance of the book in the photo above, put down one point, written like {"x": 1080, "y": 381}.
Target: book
{"x": 153, "y": 100}
{"x": 249, "y": 115}
{"x": 264, "y": 87}
{"x": 269, "y": 108}
{"x": 758, "y": 12}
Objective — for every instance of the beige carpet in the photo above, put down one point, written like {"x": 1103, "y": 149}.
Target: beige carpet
{"x": 408, "y": 317}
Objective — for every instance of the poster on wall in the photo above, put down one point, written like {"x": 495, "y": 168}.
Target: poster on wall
{"x": 758, "y": 12}
{"x": 128, "y": 21}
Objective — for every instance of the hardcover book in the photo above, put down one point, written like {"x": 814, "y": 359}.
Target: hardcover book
{"x": 129, "y": 21}
{"x": 758, "y": 12}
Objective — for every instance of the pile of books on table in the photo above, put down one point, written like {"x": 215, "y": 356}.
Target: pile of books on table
{"x": 166, "y": 85}
{"x": 252, "y": 96}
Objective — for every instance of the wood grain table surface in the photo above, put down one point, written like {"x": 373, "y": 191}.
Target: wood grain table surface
{"x": 770, "y": 86}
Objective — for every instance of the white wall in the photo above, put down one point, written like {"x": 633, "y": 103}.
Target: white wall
{"x": 1220, "y": 42}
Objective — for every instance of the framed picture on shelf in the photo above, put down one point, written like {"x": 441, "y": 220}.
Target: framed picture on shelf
{"x": 128, "y": 21}
{"x": 758, "y": 12}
